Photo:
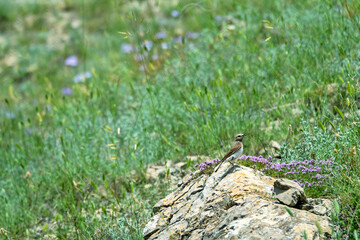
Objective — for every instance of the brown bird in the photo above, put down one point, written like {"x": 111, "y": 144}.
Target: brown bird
{"x": 234, "y": 152}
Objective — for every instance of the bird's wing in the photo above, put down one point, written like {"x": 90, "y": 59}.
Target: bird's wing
{"x": 233, "y": 150}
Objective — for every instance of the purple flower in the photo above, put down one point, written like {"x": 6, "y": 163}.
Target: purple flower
{"x": 209, "y": 162}
{"x": 71, "y": 61}
{"x": 203, "y": 165}
{"x": 66, "y": 91}
{"x": 126, "y": 48}
{"x": 160, "y": 35}
{"x": 175, "y": 13}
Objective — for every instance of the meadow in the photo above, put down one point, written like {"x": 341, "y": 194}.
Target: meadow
{"x": 92, "y": 92}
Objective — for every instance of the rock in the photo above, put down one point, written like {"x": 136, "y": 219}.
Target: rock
{"x": 275, "y": 145}
{"x": 233, "y": 203}
{"x": 261, "y": 151}
{"x": 319, "y": 206}
{"x": 271, "y": 150}
{"x": 289, "y": 192}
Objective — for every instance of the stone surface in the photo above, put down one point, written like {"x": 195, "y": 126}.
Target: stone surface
{"x": 233, "y": 203}
{"x": 275, "y": 145}
{"x": 289, "y": 192}
{"x": 319, "y": 206}
{"x": 272, "y": 149}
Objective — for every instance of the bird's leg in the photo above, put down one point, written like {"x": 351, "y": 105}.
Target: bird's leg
{"x": 231, "y": 161}
{"x": 233, "y": 164}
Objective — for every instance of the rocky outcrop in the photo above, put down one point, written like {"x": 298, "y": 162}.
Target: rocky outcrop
{"x": 289, "y": 192}
{"x": 236, "y": 203}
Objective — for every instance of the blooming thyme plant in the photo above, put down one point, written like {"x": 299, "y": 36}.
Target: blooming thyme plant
{"x": 307, "y": 173}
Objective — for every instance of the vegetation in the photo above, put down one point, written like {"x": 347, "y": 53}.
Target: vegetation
{"x": 78, "y": 133}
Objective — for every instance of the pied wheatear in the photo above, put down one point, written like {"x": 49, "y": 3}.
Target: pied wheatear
{"x": 234, "y": 152}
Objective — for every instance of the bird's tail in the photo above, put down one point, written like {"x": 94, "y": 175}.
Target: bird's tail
{"x": 218, "y": 166}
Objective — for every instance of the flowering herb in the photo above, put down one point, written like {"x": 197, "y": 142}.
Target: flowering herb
{"x": 205, "y": 167}
{"x": 66, "y": 91}
{"x": 126, "y": 48}
{"x": 160, "y": 35}
{"x": 175, "y": 13}
{"x": 71, "y": 61}
{"x": 307, "y": 173}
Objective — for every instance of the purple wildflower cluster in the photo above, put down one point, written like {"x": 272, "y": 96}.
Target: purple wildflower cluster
{"x": 71, "y": 61}
{"x": 307, "y": 173}
{"x": 208, "y": 164}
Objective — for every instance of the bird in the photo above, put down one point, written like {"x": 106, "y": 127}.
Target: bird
{"x": 235, "y": 151}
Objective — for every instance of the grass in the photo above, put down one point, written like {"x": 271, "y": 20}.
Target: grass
{"x": 73, "y": 165}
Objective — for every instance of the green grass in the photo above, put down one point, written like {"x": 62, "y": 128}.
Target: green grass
{"x": 59, "y": 174}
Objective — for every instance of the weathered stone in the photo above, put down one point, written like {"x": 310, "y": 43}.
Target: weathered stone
{"x": 235, "y": 202}
{"x": 289, "y": 192}
{"x": 319, "y": 206}
{"x": 275, "y": 145}
{"x": 271, "y": 150}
